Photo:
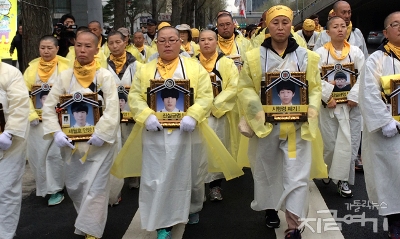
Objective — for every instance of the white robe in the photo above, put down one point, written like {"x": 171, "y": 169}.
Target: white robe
{"x": 341, "y": 127}
{"x": 15, "y": 99}
{"x": 279, "y": 181}
{"x": 173, "y": 170}
{"x": 311, "y": 42}
{"x": 381, "y": 155}
{"x": 44, "y": 157}
{"x": 356, "y": 39}
{"x": 125, "y": 129}
{"x": 87, "y": 182}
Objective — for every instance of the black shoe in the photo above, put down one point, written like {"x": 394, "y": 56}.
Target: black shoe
{"x": 295, "y": 234}
{"x": 272, "y": 218}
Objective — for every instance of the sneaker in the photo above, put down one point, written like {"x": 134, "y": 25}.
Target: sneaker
{"x": 344, "y": 190}
{"x": 326, "y": 181}
{"x": 359, "y": 164}
{"x": 295, "y": 234}
{"x": 90, "y": 237}
{"x": 272, "y": 218}
{"x": 394, "y": 231}
{"x": 164, "y": 234}
{"x": 194, "y": 218}
{"x": 55, "y": 199}
{"x": 215, "y": 194}
{"x": 133, "y": 182}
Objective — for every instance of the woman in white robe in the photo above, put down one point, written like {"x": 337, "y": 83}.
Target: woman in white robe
{"x": 14, "y": 98}
{"x": 335, "y": 117}
{"x": 44, "y": 156}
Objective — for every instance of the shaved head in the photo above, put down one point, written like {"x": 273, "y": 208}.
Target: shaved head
{"x": 387, "y": 19}
{"x": 214, "y": 35}
{"x": 338, "y": 4}
{"x": 92, "y": 36}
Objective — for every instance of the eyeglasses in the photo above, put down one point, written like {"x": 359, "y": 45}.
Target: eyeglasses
{"x": 394, "y": 25}
{"x": 170, "y": 41}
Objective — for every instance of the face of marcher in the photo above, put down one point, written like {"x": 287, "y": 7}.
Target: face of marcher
{"x": 47, "y": 50}
{"x": 337, "y": 29}
{"x": 184, "y": 35}
{"x": 344, "y": 11}
{"x": 151, "y": 29}
{"x": 208, "y": 43}
{"x": 308, "y": 33}
{"x": 316, "y": 20}
{"x": 225, "y": 27}
{"x": 85, "y": 48}
{"x": 95, "y": 28}
{"x": 168, "y": 44}
{"x": 392, "y": 31}
{"x": 138, "y": 39}
{"x": 116, "y": 45}
{"x": 279, "y": 28}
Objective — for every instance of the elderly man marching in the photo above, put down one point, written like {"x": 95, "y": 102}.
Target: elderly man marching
{"x": 380, "y": 145}
{"x": 334, "y": 117}
{"x": 87, "y": 170}
{"x": 173, "y": 161}
{"x": 224, "y": 113}
{"x": 44, "y": 156}
{"x": 14, "y": 100}
{"x": 280, "y": 154}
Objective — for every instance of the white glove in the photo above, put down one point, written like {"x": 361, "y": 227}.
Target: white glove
{"x": 391, "y": 129}
{"x": 152, "y": 123}
{"x": 34, "y": 122}
{"x": 62, "y": 140}
{"x": 188, "y": 124}
{"x": 95, "y": 140}
{"x": 5, "y": 140}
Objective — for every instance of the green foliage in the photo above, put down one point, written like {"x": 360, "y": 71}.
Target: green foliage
{"x": 108, "y": 12}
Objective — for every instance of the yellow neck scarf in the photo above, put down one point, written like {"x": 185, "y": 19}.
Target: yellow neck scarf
{"x": 318, "y": 28}
{"x": 119, "y": 62}
{"x": 395, "y": 49}
{"x": 47, "y": 68}
{"x": 331, "y": 49}
{"x": 100, "y": 39}
{"x": 187, "y": 47}
{"x": 226, "y": 45}
{"x": 140, "y": 49}
{"x": 85, "y": 74}
{"x": 208, "y": 64}
{"x": 349, "y": 28}
{"x": 167, "y": 70}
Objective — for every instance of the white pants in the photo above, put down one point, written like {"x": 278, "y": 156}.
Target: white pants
{"x": 280, "y": 182}
{"x": 12, "y": 165}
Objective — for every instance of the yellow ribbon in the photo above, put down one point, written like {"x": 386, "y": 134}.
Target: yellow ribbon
{"x": 46, "y": 68}
{"x": 331, "y": 49}
{"x": 85, "y": 74}
{"x": 187, "y": 47}
{"x": 208, "y": 64}
{"x": 119, "y": 62}
{"x": 288, "y": 131}
{"x": 226, "y": 45}
{"x": 390, "y": 47}
{"x": 140, "y": 49}
{"x": 349, "y": 29}
{"x": 167, "y": 70}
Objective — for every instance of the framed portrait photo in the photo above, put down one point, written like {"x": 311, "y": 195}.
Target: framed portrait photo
{"x": 394, "y": 98}
{"x": 284, "y": 96}
{"x": 343, "y": 77}
{"x": 126, "y": 115}
{"x": 170, "y": 99}
{"x": 78, "y": 114}
{"x": 216, "y": 85}
{"x": 38, "y": 95}
{"x": 238, "y": 61}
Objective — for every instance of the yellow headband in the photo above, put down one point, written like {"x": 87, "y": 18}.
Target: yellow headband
{"x": 309, "y": 25}
{"x": 163, "y": 24}
{"x": 279, "y": 10}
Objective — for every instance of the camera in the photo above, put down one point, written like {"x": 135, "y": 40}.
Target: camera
{"x": 60, "y": 28}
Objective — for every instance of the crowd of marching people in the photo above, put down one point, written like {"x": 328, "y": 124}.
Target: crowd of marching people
{"x": 333, "y": 99}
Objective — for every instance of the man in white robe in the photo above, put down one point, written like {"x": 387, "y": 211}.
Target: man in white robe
{"x": 380, "y": 143}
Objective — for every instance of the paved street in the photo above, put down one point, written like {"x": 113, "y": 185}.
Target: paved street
{"x": 230, "y": 218}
